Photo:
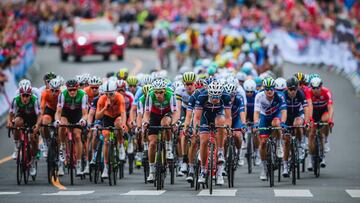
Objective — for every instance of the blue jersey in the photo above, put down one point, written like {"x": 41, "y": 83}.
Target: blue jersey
{"x": 138, "y": 94}
{"x": 192, "y": 99}
{"x": 237, "y": 106}
{"x": 203, "y": 103}
{"x": 250, "y": 106}
{"x": 295, "y": 105}
{"x": 269, "y": 108}
{"x": 93, "y": 104}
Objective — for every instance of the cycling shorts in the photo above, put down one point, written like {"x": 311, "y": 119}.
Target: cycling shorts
{"x": 50, "y": 112}
{"x": 73, "y": 116}
{"x": 155, "y": 120}
{"x": 208, "y": 118}
{"x": 291, "y": 117}
{"x": 29, "y": 119}
{"x": 265, "y": 121}
{"x": 317, "y": 114}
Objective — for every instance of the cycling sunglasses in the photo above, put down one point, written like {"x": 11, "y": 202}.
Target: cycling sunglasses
{"x": 110, "y": 94}
{"x": 159, "y": 92}
{"x": 95, "y": 88}
{"x": 215, "y": 97}
{"x": 316, "y": 88}
{"x": 72, "y": 90}
{"x": 269, "y": 89}
{"x": 25, "y": 95}
{"x": 249, "y": 92}
{"x": 132, "y": 86}
{"x": 54, "y": 91}
{"x": 189, "y": 84}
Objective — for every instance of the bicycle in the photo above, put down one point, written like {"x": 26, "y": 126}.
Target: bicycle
{"x": 53, "y": 154}
{"x": 160, "y": 157}
{"x": 273, "y": 162}
{"x": 212, "y": 154}
{"x": 232, "y": 157}
{"x": 24, "y": 156}
{"x": 294, "y": 151}
{"x": 70, "y": 150}
{"x": 319, "y": 150}
{"x": 98, "y": 160}
{"x": 249, "y": 155}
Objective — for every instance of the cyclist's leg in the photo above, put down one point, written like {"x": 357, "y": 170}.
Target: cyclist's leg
{"x": 19, "y": 122}
{"x": 106, "y": 135}
{"x": 325, "y": 129}
{"x": 46, "y": 119}
{"x": 263, "y": 136}
{"x": 220, "y": 121}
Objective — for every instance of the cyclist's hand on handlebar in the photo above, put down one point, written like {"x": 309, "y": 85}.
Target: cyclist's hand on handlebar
{"x": 243, "y": 128}
{"x": 145, "y": 125}
{"x": 57, "y": 123}
{"x": 82, "y": 122}
{"x": 331, "y": 123}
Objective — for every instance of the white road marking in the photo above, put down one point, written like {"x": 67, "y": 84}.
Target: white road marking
{"x": 68, "y": 193}
{"x": 293, "y": 193}
{"x": 9, "y": 193}
{"x": 353, "y": 193}
{"x": 145, "y": 192}
{"x": 219, "y": 193}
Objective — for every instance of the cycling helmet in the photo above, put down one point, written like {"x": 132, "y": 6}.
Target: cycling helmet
{"x": 230, "y": 88}
{"x": 207, "y": 81}
{"x": 202, "y": 76}
{"x": 292, "y": 82}
{"x": 147, "y": 80}
{"x": 300, "y": 76}
{"x": 159, "y": 84}
{"x": 49, "y": 76}
{"x": 25, "y": 88}
{"x": 132, "y": 81}
{"x": 215, "y": 89}
{"x": 249, "y": 85}
{"x": 121, "y": 84}
{"x": 258, "y": 81}
{"x": 24, "y": 82}
{"x": 241, "y": 76}
{"x": 95, "y": 81}
{"x": 146, "y": 89}
{"x": 110, "y": 87}
{"x": 61, "y": 79}
{"x": 280, "y": 84}
{"x": 162, "y": 74}
{"x": 314, "y": 75}
{"x": 316, "y": 82}
{"x": 177, "y": 84}
{"x": 178, "y": 77}
{"x": 72, "y": 83}
{"x": 211, "y": 70}
{"x": 101, "y": 89}
{"x": 123, "y": 73}
{"x": 199, "y": 83}
{"x": 81, "y": 79}
{"x": 268, "y": 82}
{"x": 189, "y": 77}
{"x": 247, "y": 67}
{"x": 55, "y": 84}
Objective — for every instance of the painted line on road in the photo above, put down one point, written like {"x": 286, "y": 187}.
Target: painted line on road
{"x": 57, "y": 184}
{"x": 353, "y": 193}
{"x": 69, "y": 193}
{"x": 6, "y": 159}
{"x": 218, "y": 193}
{"x": 138, "y": 65}
{"x": 9, "y": 193}
{"x": 145, "y": 192}
{"x": 293, "y": 193}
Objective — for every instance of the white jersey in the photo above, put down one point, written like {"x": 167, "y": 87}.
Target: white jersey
{"x": 269, "y": 107}
{"x": 183, "y": 96}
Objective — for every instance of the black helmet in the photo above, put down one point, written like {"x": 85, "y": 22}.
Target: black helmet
{"x": 72, "y": 83}
{"x": 49, "y": 76}
{"x": 292, "y": 82}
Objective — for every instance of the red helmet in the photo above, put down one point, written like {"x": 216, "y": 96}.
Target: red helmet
{"x": 25, "y": 89}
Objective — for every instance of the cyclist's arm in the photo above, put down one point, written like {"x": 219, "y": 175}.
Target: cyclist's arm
{"x": 101, "y": 108}
{"x": 178, "y": 106}
{"x": 174, "y": 109}
{"x": 310, "y": 108}
{"x": 37, "y": 112}
{"x": 84, "y": 107}
{"x": 197, "y": 117}
{"x": 330, "y": 105}
{"x": 11, "y": 113}
{"x": 283, "y": 109}
{"x": 228, "y": 118}
{"x": 132, "y": 116}
{"x": 43, "y": 101}
{"x": 91, "y": 115}
{"x": 147, "y": 110}
{"x": 60, "y": 106}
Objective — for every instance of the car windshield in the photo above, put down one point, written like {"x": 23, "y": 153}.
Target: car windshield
{"x": 94, "y": 26}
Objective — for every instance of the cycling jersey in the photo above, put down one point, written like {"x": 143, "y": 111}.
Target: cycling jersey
{"x": 129, "y": 100}
{"x": 138, "y": 94}
{"x": 141, "y": 105}
{"x": 240, "y": 90}
{"x": 236, "y": 108}
{"x": 306, "y": 90}
{"x": 94, "y": 103}
{"x": 49, "y": 99}
{"x": 269, "y": 108}
{"x": 160, "y": 108}
{"x": 72, "y": 106}
{"x": 183, "y": 96}
{"x": 320, "y": 103}
{"x": 28, "y": 112}
{"x": 90, "y": 94}
{"x": 116, "y": 107}
{"x": 250, "y": 107}
{"x": 193, "y": 98}
{"x": 295, "y": 106}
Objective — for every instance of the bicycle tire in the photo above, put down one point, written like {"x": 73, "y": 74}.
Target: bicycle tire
{"x": 158, "y": 166}
{"x": 97, "y": 168}
{"x": 131, "y": 163}
{"x": 229, "y": 163}
{"x": 26, "y": 169}
{"x": 317, "y": 157}
{"x": 19, "y": 165}
{"x": 110, "y": 162}
{"x": 210, "y": 170}
{"x": 71, "y": 163}
{"x": 145, "y": 164}
{"x": 197, "y": 171}
{"x": 121, "y": 169}
{"x": 293, "y": 163}
{"x": 172, "y": 171}
{"x": 270, "y": 163}
{"x": 249, "y": 153}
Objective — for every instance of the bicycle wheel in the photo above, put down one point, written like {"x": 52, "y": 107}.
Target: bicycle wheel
{"x": 229, "y": 164}
{"x": 26, "y": 163}
{"x": 121, "y": 169}
{"x": 293, "y": 163}
{"x": 317, "y": 157}
{"x": 131, "y": 163}
{"x": 270, "y": 163}
{"x": 97, "y": 167}
{"x": 158, "y": 166}
{"x": 19, "y": 165}
{"x": 197, "y": 171}
{"x": 210, "y": 170}
{"x": 145, "y": 163}
{"x": 172, "y": 171}
{"x": 110, "y": 162}
{"x": 249, "y": 153}
{"x": 71, "y": 162}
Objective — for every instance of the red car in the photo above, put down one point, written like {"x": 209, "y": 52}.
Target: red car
{"x": 87, "y": 37}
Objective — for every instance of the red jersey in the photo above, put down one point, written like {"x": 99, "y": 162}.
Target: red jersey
{"x": 322, "y": 101}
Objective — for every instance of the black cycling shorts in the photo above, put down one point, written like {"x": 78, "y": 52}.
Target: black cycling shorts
{"x": 29, "y": 119}
{"x": 73, "y": 116}
{"x": 155, "y": 120}
{"x": 50, "y": 112}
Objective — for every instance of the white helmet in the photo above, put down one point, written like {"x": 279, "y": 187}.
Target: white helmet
{"x": 178, "y": 78}
{"x": 215, "y": 88}
{"x": 280, "y": 84}
{"x": 95, "y": 81}
{"x": 249, "y": 85}
{"x": 163, "y": 74}
{"x": 110, "y": 86}
{"x": 81, "y": 79}
{"x": 159, "y": 84}
{"x": 101, "y": 89}
{"x": 55, "y": 84}
{"x": 248, "y": 64}
{"x": 241, "y": 76}
{"x": 316, "y": 82}
{"x": 147, "y": 80}
{"x": 230, "y": 88}
{"x": 61, "y": 79}
{"x": 24, "y": 82}
{"x": 177, "y": 84}
{"x": 25, "y": 88}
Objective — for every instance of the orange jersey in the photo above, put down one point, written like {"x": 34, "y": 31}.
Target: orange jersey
{"x": 116, "y": 107}
{"x": 89, "y": 93}
{"x": 48, "y": 99}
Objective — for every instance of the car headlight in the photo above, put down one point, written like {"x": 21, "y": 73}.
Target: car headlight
{"x": 81, "y": 40}
{"x": 120, "y": 40}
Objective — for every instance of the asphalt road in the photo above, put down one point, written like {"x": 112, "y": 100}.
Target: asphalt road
{"x": 339, "y": 182}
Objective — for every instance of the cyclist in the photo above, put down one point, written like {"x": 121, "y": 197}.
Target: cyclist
{"x": 129, "y": 99}
{"x": 47, "y": 77}
{"x": 297, "y": 115}
{"x": 213, "y": 106}
{"x": 238, "y": 117}
{"x": 133, "y": 84}
{"x": 83, "y": 80}
{"x": 49, "y": 100}
{"x": 323, "y": 111}
{"x": 269, "y": 110}
{"x": 71, "y": 109}
{"x": 35, "y": 91}
{"x": 250, "y": 89}
{"x": 25, "y": 112}
{"x": 160, "y": 108}
{"x": 111, "y": 110}
{"x": 183, "y": 94}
